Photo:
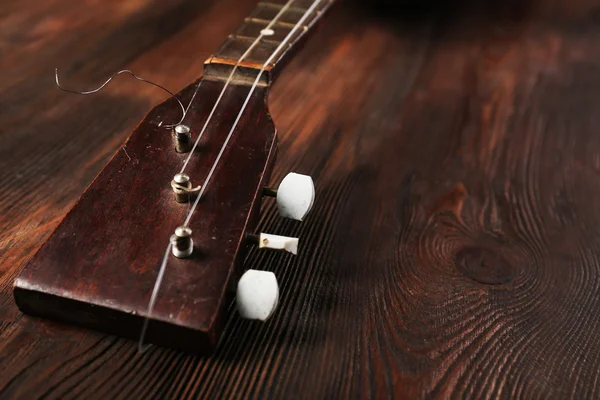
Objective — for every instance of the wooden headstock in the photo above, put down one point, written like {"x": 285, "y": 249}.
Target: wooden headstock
{"x": 99, "y": 267}
{"x": 117, "y": 245}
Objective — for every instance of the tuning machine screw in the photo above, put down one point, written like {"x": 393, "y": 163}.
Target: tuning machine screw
{"x": 295, "y": 196}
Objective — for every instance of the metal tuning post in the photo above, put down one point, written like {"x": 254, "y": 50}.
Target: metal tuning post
{"x": 257, "y": 294}
{"x": 182, "y": 187}
{"x": 182, "y": 243}
{"x": 295, "y": 196}
{"x": 182, "y": 138}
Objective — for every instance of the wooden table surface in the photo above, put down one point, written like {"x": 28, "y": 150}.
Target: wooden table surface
{"x": 454, "y": 248}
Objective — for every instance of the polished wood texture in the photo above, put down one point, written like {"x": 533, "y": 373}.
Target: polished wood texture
{"x": 453, "y": 248}
{"x": 99, "y": 267}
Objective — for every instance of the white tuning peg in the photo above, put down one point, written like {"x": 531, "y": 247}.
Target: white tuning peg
{"x": 257, "y": 294}
{"x": 295, "y": 196}
{"x": 275, "y": 242}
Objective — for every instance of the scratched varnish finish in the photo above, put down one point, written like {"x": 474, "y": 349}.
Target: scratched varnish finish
{"x": 454, "y": 248}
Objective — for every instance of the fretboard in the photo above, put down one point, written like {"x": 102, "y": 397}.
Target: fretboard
{"x": 268, "y": 51}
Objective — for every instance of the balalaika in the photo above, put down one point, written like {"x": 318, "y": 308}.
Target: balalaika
{"x": 154, "y": 248}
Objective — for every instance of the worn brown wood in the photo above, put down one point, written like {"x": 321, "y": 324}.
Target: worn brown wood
{"x": 102, "y": 264}
{"x": 452, "y": 251}
{"x": 99, "y": 267}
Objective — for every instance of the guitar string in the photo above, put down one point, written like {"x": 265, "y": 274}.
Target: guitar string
{"x": 237, "y": 119}
{"x": 206, "y": 181}
{"x": 163, "y": 265}
{"x": 183, "y": 109}
{"x": 153, "y": 298}
{"x": 99, "y": 88}
{"x": 268, "y": 27}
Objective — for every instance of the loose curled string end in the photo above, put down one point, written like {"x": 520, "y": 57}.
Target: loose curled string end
{"x": 111, "y": 78}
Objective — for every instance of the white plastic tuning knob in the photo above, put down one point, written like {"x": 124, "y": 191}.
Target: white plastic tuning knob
{"x": 275, "y": 242}
{"x": 295, "y": 196}
{"x": 257, "y": 294}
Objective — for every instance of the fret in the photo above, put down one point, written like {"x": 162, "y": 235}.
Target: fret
{"x": 290, "y": 16}
{"x": 280, "y": 6}
{"x": 251, "y": 39}
{"x": 234, "y": 49}
{"x": 244, "y": 38}
{"x": 268, "y": 10}
{"x": 266, "y": 22}
{"x": 252, "y": 29}
{"x": 304, "y": 4}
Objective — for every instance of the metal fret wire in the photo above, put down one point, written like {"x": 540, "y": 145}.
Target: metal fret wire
{"x": 273, "y": 21}
{"x": 191, "y": 212}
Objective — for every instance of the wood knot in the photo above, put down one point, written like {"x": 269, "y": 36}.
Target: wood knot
{"x": 484, "y": 265}
{"x": 453, "y": 201}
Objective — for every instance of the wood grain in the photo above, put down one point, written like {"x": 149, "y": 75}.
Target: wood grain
{"x": 453, "y": 251}
{"x": 100, "y": 266}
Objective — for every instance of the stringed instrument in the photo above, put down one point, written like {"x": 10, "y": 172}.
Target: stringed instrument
{"x": 452, "y": 251}
{"x": 154, "y": 249}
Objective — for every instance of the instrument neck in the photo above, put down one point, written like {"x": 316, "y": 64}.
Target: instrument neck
{"x": 265, "y": 41}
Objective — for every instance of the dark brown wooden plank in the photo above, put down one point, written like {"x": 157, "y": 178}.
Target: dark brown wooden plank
{"x": 452, "y": 251}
